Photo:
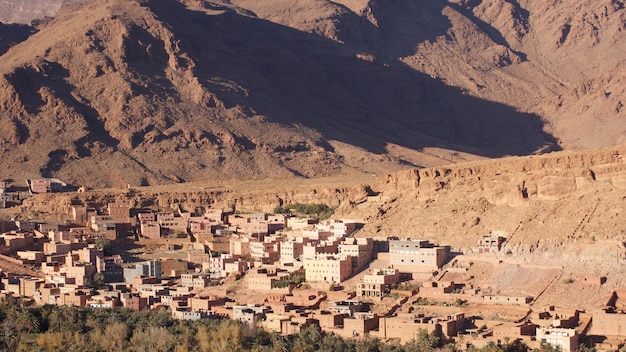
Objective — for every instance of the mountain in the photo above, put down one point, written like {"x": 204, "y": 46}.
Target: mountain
{"x": 147, "y": 92}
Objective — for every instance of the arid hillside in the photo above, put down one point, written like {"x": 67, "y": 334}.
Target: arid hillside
{"x": 561, "y": 211}
{"x": 549, "y": 201}
{"x": 112, "y": 92}
{"x": 572, "y": 196}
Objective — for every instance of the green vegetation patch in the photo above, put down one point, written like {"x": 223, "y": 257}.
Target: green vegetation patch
{"x": 296, "y": 278}
{"x": 65, "y": 328}
{"x": 321, "y": 211}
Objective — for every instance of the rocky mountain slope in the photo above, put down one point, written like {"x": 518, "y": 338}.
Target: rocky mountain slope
{"x": 572, "y": 196}
{"x": 146, "y": 92}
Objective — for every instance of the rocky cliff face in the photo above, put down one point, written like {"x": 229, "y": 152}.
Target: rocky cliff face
{"x": 556, "y": 59}
{"x": 540, "y": 203}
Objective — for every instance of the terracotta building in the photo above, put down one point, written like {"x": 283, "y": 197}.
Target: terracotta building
{"x": 565, "y": 339}
{"x": 490, "y": 243}
{"x": 328, "y": 268}
{"x": 416, "y": 255}
{"x": 360, "y": 249}
{"x": 611, "y": 320}
{"x": 377, "y": 283}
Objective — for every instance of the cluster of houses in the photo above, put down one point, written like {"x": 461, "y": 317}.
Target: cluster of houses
{"x": 560, "y": 328}
{"x": 66, "y": 262}
{"x": 297, "y": 265}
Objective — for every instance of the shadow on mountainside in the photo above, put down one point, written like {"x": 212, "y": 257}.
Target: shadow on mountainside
{"x": 294, "y": 77}
{"x": 388, "y": 29}
{"x": 400, "y": 26}
{"x": 11, "y": 34}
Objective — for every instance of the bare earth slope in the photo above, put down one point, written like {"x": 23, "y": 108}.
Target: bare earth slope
{"x": 561, "y": 60}
{"x": 569, "y": 195}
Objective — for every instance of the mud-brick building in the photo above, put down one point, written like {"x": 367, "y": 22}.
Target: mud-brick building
{"x": 490, "y": 244}
{"x": 416, "y": 255}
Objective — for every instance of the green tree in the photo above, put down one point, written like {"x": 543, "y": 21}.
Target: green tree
{"x": 423, "y": 341}
{"x": 516, "y": 345}
{"x": 334, "y": 343}
{"x": 368, "y": 344}
{"x": 203, "y": 339}
{"x": 16, "y": 322}
{"x": 152, "y": 339}
{"x": 460, "y": 303}
{"x": 227, "y": 337}
{"x": 308, "y": 340}
{"x": 583, "y": 348}
{"x": 279, "y": 343}
{"x": 115, "y": 337}
{"x": 321, "y": 211}
{"x": 104, "y": 244}
{"x": 546, "y": 347}
{"x": 98, "y": 282}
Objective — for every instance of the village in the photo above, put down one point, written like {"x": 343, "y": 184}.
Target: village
{"x": 283, "y": 272}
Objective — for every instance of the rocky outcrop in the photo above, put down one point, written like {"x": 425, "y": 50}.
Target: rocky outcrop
{"x": 562, "y": 197}
{"x": 181, "y": 197}
{"x": 511, "y": 180}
